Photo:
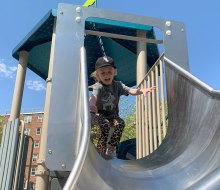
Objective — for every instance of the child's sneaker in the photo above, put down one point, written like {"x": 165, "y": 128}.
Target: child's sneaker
{"x": 110, "y": 151}
{"x": 106, "y": 157}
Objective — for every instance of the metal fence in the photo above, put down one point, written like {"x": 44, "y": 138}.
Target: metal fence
{"x": 151, "y": 111}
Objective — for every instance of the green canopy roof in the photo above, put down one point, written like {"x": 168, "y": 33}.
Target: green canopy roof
{"x": 38, "y": 44}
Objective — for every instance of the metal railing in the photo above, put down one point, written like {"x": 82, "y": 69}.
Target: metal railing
{"x": 20, "y": 147}
{"x": 77, "y": 167}
{"x": 10, "y": 154}
{"x": 151, "y": 111}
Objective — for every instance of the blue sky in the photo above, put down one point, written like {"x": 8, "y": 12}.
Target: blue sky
{"x": 17, "y": 18}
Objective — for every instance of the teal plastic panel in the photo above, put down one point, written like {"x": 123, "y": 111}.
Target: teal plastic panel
{"x": 119, "y": 23}
{"x": 37, "y": 41}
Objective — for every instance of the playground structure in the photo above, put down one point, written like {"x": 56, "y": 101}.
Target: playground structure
{"x": 62, "y": 49}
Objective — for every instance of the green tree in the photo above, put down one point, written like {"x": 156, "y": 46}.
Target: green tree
{"x": 127, "y": 112}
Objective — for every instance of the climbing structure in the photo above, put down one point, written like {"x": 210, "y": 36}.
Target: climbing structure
{"x": 62, "y": 49}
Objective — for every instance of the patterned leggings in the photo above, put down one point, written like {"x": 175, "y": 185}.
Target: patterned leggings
{"x": 104, "y": 124}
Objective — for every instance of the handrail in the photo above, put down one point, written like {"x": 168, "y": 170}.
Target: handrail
{"x": 77, "y": 167}
{"x": 19, "y": 155}
{"x": 123, "y": 37}
{"x": 156, "y": 63}
{"x": 192, "y": 78}
{"x": 150, "y": 111}
{"x": 29, "y": 171}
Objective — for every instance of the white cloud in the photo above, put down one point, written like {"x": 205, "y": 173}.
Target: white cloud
{"x": 36, "y": 85}
{"x": 7, "y": 71}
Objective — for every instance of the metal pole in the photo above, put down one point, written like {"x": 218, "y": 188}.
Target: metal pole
{"x": 158, "y": 106}
{"x": 141, "y": 57}
{"x": 77, "y": 167}
{"x": 146, "y": 121}
{"x": 20, "y": 147}
{"x": 141, "y": 72}
{"x": 19, "y": 86}
{"x": 162, "y": 99}
{"x": 152, "y": 75}
{"x": 42, "y": 178}
{"x": 149, "y": 102}
{"x": 124, "y": 37}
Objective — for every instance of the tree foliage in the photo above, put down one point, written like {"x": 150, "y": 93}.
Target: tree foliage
{"x": 127, "y": 112}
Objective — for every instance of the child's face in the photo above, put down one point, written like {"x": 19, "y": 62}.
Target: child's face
{"x": 106, "y": 74}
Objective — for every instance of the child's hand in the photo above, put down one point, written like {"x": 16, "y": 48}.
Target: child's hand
{"x": 93, "y": 108}
{"x": 151, "y": 88}
{"x": 146, "y": 90}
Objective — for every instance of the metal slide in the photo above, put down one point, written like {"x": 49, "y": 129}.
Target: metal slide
{"x": 189, "y": 156}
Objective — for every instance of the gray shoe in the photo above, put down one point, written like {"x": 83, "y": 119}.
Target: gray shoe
{"x": 110, "y": 151}
{"x": 105, "y": 156}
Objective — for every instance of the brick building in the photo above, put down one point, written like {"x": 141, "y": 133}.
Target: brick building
{"x": 33, "y": 126}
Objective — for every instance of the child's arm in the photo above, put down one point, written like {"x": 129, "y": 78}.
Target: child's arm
{"x": 143, "y": 91}
{"x": 92, "y": 104}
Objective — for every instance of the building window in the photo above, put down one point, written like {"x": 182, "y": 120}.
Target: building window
{"x": 27, "y": 131}
{"x": 36, "y": 144}
{"x": 27, "y": 119}
{"x": 38, "y": 131}
{"x": 34, "y": 157}
{"x": 33, "y": 171}
{"x": 40, "y": 118}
